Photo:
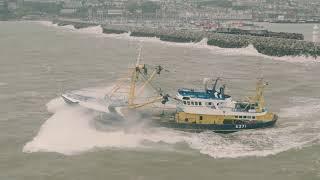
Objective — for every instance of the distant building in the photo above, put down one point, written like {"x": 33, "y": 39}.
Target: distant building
{"x": 246, "y": 3}
{"x": 115, "y": 11}
{"x": 72, "y": 4}
{"x": 68, "y": 11}
{"x": 119, "y": 3}
{"x": 12, "y": 5}
{"x": 70, "y": 7}
{"x": 3, "y": 5}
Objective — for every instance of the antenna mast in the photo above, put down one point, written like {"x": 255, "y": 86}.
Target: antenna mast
{"x": 134, "y": 77}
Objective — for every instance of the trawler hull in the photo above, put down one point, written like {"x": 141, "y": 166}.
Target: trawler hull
{"x": 218, "y": 128}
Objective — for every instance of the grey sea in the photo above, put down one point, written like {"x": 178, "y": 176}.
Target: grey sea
{"x": 42, "y": 138}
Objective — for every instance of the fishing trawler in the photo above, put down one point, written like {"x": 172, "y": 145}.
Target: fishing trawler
{"x": 212, "y": 109}
{"x": 209, "y": 109}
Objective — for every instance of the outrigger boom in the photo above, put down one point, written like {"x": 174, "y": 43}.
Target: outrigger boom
{"x": 140, "y": 72}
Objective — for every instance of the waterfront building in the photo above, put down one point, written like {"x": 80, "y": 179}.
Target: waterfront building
{"x": 246, "y": 3}
{"x": 3, "y": 10}
{"x": 3, "y": 5}
{"x": 13, "y": 5}
{"x": 70, "y": 7}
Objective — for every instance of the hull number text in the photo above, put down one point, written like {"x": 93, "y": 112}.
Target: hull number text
{"x": 240, "y": 126}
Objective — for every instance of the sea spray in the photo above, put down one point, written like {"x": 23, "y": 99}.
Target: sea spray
{"x": 91, "y": 30}
{"x": 47, "y": 23}
{"x": 72, "y": 130}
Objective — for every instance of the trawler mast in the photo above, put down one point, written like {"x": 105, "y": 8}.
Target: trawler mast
{"x": 140, "y": 70}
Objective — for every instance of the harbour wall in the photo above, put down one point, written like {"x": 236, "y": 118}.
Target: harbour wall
{"x": 271, "y": 46}
{"x": 262, "y": 33}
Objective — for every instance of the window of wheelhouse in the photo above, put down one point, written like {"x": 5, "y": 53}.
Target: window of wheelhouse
{"x": 196, "y": 103}
{"x": 186, "y": 98}
{"x": 188, "y": 102}
{"x": 200, "y": 104}
{"x": 192, "y": 103}
{"x": 184, "y": 102}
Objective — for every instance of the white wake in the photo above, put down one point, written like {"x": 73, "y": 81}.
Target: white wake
{"x": 73, "y": 130}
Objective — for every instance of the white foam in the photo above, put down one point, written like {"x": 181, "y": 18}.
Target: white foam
{"x": 70, "y": 131}
{"x": 47, "y": 23}
{"x": 91, "y": 30}
{"x": 251, "y": 143}
{"x": 203, "y": 42}
{"x": 56, "y": 105}
{"x": 297, "y": 128}
{"x": 70, "y": 27}
{"x": 247, "y": 51}
{"x": 251, "y": 51}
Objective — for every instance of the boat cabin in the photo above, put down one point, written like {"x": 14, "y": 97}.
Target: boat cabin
{"x": 207, "y": 94}
{"x": 208, "y": 98}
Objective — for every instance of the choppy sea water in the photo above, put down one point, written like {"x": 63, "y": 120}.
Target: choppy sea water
{"x": 42, "y": 138}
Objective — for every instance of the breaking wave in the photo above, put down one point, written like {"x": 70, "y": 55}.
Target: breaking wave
{"x": 248, "y": 51}
{"x": 47, "y": 23}
{"x": 73, "y": 129}
{"x": 92, "y": 30}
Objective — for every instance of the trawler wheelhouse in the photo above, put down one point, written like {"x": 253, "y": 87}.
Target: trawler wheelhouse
{"x": 208, "y": 98}
{"x": 207, "y": 94}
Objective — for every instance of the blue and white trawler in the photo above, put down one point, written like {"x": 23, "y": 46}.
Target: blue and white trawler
{"x": 195, "y": 110}
{"x": 212, "y": 109}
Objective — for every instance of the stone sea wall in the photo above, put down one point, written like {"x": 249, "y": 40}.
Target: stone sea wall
{"x": 271, "y": 46}
{"x": 261, "y": 33}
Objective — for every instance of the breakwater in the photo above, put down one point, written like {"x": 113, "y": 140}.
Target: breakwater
{"x": 76, "y": 24}
{"x": 262, "y": 33}
{"x": 169, "y": 35}
{"x": 271, "y": 46}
